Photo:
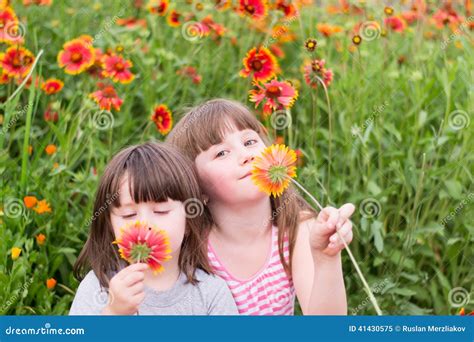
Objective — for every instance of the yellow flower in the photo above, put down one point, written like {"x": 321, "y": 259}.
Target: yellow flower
{"x": 16, "y": 253}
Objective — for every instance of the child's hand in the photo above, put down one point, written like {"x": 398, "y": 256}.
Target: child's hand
{"x": 323, "y": 236}
{"x": 126, "y": 290}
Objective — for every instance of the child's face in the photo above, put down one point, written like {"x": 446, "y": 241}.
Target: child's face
{"x": 169, "y": 216}
{"x": 224, "y": 169}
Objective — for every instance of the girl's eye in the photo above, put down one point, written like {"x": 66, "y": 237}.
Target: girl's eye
{"x": 250, "y": 142}
{"x": 128, "y": 216}
{"x": 220, "y": 154}
{"x": 161, "y": 212}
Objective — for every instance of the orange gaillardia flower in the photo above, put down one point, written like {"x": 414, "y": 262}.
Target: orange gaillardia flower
{"x": 50, "y": 149}
{"x": 256, "y": 9}
{"x": 276, "y": 96}
{"x": 51, "y": 283}
{"x": 42, "y": 207}
{"x": 40, "y": 239}
{"x": 117, "y": 68}
{"x": 316, "y": 69}
{"x": 15, "y": 253}
{"x": 52, "y": 86}
{"x": 16, "y": 61}
{"x": 173, "y": 18}
{"x": 158, "y": 7}
{"x": 272, "y": 171}
{"x": 77, "y": 55}
{"x": 106, "y": 97}
{"x": 328, "y": 30}
{"x": 395, "y": 23}
{"x": 30, "y": 201}
{"x": 163, "y": 119}
{"x": 261, "y": 63}
{"x": 139, "y": 242}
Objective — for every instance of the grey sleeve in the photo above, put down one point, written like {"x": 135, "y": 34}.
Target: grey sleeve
{"x": 220, "y": 300}
{"x": 90, "y": 298}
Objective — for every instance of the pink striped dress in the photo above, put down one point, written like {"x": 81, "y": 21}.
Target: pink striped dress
{"x": 269, "y": 292}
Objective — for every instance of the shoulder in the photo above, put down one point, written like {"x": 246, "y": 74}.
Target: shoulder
{"x": 209, "y": 281}
{"x": 90, "y": 297}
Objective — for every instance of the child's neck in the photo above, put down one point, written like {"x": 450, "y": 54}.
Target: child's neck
{"x": 242, "y": 223}
{"x": 166, "y": 279}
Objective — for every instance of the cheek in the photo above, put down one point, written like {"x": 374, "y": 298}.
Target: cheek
{"x": 214, "y": 180}
{"x": 175, "y": 226}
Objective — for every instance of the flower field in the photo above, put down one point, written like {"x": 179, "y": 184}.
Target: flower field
{"x": 376, "y": 98}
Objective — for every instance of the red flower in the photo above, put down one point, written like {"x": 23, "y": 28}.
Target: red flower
{"x": 4, "y": 78}
{"x": 173, "y": 18}
{"x": 163, "y": 119}
{"x": 256, "y": 9}
{"x": 314, "y": 70}
{"x": 276, "y": 95}
{"x": 208, "y": 25}
{"x": 77, "y": 55}
{"x": 106, "y": 97}
{"x": 52, "y": 86}
{"x": 395, "y": 23}
{"x": 286, "y": 7}
{"x": 117, "y": 68}
{"x": 190, "y": 72}
{"x": 131, "y": 22}
{"x": 50, "y": 114}
{"x": 16, "y": 61}
{"x": 261, "y": 63}
{"x": 446, "y": 17}
{"x": 9, "y": 27}
{"x": 158, "y": 7}
{"x": 140, "y": 243}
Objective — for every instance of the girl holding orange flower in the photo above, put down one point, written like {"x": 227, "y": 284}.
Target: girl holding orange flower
{"x": 145, "y": 213}
{"x": 269, "y": 246}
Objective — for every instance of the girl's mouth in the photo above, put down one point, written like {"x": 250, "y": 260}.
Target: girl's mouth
{"x": 246, "y": 175}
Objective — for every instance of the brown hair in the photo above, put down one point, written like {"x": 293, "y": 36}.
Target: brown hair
{"x": 206, "y": 125}
{"x": 155, "y": 172}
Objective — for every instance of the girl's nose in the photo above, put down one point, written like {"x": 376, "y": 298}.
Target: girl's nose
{"x": 247, "y": 158}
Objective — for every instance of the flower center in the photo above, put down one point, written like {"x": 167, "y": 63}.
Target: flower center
{"x": 277, "y": 173}
{"x": 257, "y": 65}
{"x": 76, "y": 57}
{"x": 119, "y": 66}
{"x": 140, "y": 252}
{"x": 250, "y": 9}
{"x": 273, "y": 91}
{"x": 109, "y": 92}
{"x": 16, "y": 62}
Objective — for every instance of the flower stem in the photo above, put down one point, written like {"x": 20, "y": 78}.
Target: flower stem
{"x": 346, "y": 246}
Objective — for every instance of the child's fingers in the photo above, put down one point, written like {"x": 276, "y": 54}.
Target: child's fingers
{"x": 133, "y": 278}
{"x": 132, "y": 268}
{"x": 137, "y": 288}
{"x": 346, "y": 211}
{"x": 329, "y": 216}
{"x": 345, "y": 232}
